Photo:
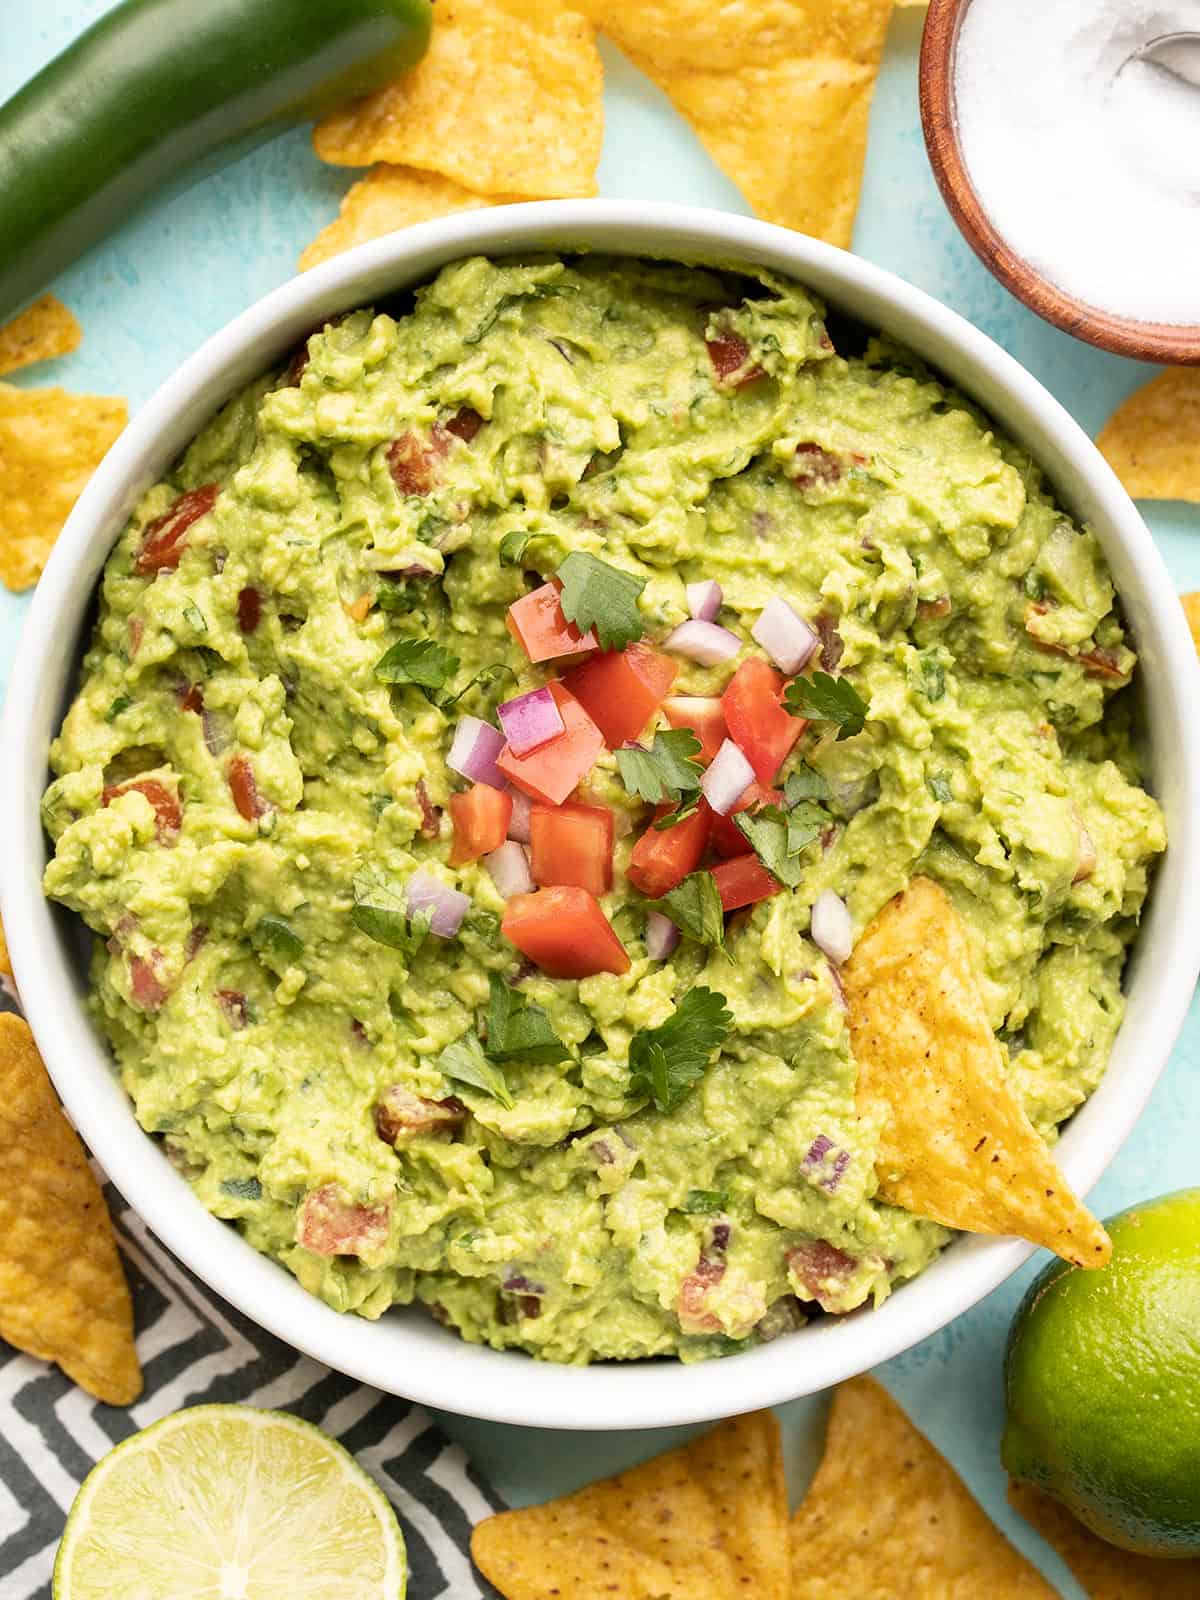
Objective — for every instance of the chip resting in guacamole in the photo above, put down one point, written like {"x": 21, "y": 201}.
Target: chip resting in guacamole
{"x": 498, "y": 730}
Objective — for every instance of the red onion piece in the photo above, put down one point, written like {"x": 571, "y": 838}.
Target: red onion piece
{"x": 447, "y": 906}
{"x": 727, "y": 778}
{"x": 831, "y": 929}
{"x": 704, "y": 600}
{"x": 522, "y": 810}
{"x": 509, "y": 867}
{"x": 661, "y": 936}
{"x": 704, "y": 642}
{"x": 823, "y": 1153}
{"x": 216, "y": 732}
{"x": 474, "y": 750}
{"x": 787, "y": 638}
{"x": 531, "y": 720}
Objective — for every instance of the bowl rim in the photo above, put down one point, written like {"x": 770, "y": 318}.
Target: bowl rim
{"x": 1177, "y": 344}
{"x": 413, "y": 1357}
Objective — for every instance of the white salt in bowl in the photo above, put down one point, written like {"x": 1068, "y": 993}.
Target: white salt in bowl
{"x": 406, "y": 1352}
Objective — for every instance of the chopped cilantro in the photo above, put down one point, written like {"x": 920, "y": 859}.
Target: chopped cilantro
{"x": 279, "y": 938}
{"x": 680, "y": 815}
{"x": 933, "y": 677}
{"x": 597, "y": 595}
{"x": 938, "y": 784}
{"x": 665, "y": 1062}
{"x": 465, "y": 1062}
{"x": 825, "y": 699}
{"x": 485, "y": 678}
{"x": 418, "y": 661}
{"x": 512, "y": 546}
{"x": 806, "y": 783}
{"x": 593, "y": 1045}
{"x": 242, "y": 1188}
{"x": 704, "y": 1202}
{"x": 667, "y": 771}
{"x": 381, "y": 912}
{"x": 518, "y": 1030}
{"x": 767, "y": 831}
{"x": 121, "y": 703}
{"x": 805, "y": 822}
{"x": 193, "y": 615}
{"x": 694, "y": 906}
{"x": 397, "y": 596}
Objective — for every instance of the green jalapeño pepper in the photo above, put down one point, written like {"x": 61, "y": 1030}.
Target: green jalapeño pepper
{"x": 157, "y": 87}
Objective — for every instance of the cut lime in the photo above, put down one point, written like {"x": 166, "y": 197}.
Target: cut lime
{"x": 230, "y": 1503}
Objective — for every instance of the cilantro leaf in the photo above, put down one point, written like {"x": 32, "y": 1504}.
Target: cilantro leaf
{"x": 704, "y": 1202}
{"x": 121, "y": 703}
{"x": 485, "y": 678}
{"x": 512, "y": 546}
{"x": 933, "y": 677}
{"x": 938, "y": 784}
{"x": 767, "y": 832}
{"x": 666, "y": 770}
{"x": 518, "y": 1030}
{"x": 279, "y": 937}
{"x": 242, "y": 1188}
{"x": 381, "y": 912}
{"x": 672, "y": 817}
{"x": 665, "y": 1062}
{"x": 465, "y": 1062}
{"x": 418, "y": 661}
{"x": 825, "y": 699}
{"x": 694, "y": 906}
{"x": 806, "y": 783}
{"x": 597, "y": 595}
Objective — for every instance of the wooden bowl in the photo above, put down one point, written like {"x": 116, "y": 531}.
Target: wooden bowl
{"x": 1174, "y": 343}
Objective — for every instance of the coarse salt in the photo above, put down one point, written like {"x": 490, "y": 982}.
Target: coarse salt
{"x": 1086, "y": 161}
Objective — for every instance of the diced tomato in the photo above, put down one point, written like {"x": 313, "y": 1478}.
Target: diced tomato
{"x": 330, "y": 1225}
{"x": 729, "y": 353}
{"x": 703, "y": 715}
{"x": 756, "y": 720}
{"x": 165, "y": 539}
{"x": 663, "y": 857}
{"x": 233, "y": 1003}
{"x": 412, "y": 461}
{"x": 431, "y": 817}
{"x": 742, "y": 881}
{"x": 550, "y": 772}
{"x": 821, "y": 1272}
{"x": 191, "y": 698}
{"x": 692, "y": 1305}
{"x": 622, "y": 689}
{"x": 537, "y": 623}
{"x": 168, "y": 814}
{"x": 481, "y": 818}
{"x": 727, "y": 838}
{"x": 572, "y": 844}
{"x": 401, "y": 1115}
{"x": 815, "y": 465}
{"x": 137, "y": 629}
{"x": 464, "y": 424}
{"x": 249, "y": 609}
{"x": 564, "y": 931}
{"x": 146, "y": 986}
{"x": 244, "y": 788}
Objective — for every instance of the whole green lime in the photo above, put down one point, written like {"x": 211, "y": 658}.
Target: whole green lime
{"x": 1102, "y": 1375}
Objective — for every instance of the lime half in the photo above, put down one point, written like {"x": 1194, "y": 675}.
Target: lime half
{"x": 230, "y": 1503}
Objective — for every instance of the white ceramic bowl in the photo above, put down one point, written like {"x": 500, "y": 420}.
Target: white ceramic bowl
{"x": 406, "y": 1352}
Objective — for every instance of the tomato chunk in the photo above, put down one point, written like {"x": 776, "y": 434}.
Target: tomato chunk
{"x": 249, "y": 609}
{"x": 565, "y": 932}
{"x": 550, "y": 772}
{"x": 729, "y": 353}
{"x": 757, "y": 722}
{"x": 622, "y": 689}
{"x": 330, "y": 1225}
{"x": 168, "y": 814}
{"x": 244, "y": 789}
{"x": 481, "y": 818}
{"x": 401, "y": 1115}
{"x": 727, "y": 838}
{"x": 704, "y": 716}
{"x": 742, "y": 881}
{"x": 572, "y": 844}
{"x": 537, "y": 623}
{"x": 412, "y": 461}
{"x": 165, "y": 539}
{"x": 146, "y": 986}
{"x": 464, "y": 424}
{"x": 663, "y": 857}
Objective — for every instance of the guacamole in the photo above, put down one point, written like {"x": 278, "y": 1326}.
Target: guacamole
{"x": 515, "y": 1005}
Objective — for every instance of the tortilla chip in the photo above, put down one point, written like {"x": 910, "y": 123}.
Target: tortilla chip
{"x": 6, "y": 970}
{"x": 1103, "y": 1571}
{"x": 387, "y": 199}
{"x": 705, "y": 1521}
{"x": 778, "y": 92}
{"x": 507, "y": 101}
{"x": 955, "y": 1144}
{"x": 63, "y": 1295}
{"x": 42, "y": 331}
{"x": 50, "y": 444}
{"x": 1191, "y": 610}
{"x": 887, "y": 1515}
{"x": 1152, "y": 440}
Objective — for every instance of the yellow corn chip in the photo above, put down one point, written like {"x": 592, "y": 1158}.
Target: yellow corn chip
{"x": 779, "y": 92}
{"x": 1191, "y": 610}
{"x": 63, "y": 1295}
{"x": 389, "y": 198}
{"x": 887, "y": 1516}
{"x": 5, "y": 961}
{"x": 1103, "y": 1571}
{"x": 42, "y": 331}
{"x": 705, "y": 1521}
{"x": 50, "y": 444}
{"x": 1152, "y": 440}
{"x": 507, "y": 101}
{"x": 955, "y": 1144}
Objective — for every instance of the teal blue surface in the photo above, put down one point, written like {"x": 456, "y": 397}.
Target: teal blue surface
{"x": 179, "y": 270}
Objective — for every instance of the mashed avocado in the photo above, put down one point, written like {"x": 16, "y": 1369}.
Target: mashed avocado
{"x": 244, "y": 793}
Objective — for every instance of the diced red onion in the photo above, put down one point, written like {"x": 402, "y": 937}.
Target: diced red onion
{"x": 447, "y": 906}
{"x": 474, "y": 750}
{"x": 727, "y": 778}
{"x": 787, "y": 638}
{"x": 518, "y": 827}
{"x": 530, "y": 720}
{"x": 831, "y": 930}
{"x": 509, "y": 867}
{"x": 822, "y": 1152}
{"x": 661, "y": 936}
{"x": 704, "y": 642}
{"x": 704, "y": 600}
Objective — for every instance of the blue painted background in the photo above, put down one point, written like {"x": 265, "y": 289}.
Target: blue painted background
{"x": 179, "y": 270}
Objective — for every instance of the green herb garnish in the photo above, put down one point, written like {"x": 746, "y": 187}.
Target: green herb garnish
{"x": 381, "y": 912}
{"x": 806, "y": 783}
{"x": 766, "y": 831}
{"x": 121, "y": 703}
{"x": 418, "y": 661}
{"x": 279, "y": 937}
{"x": 938, "y": 784}
{"x": 512, "y": 546}
{"x": 665, "y": 1062}
{"x": 465, "y": 1062}
{"x": 193, "y": 615}
{"x": 242, "y": 1188}
{"x": 519, "y": 1030}
{"x": 822, "y": 698}
{"x": 694, "y": 906}
{"x": 705, "y": 1202}
{"x": 667, "y": 771}
{"x": 597, "y": 595}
